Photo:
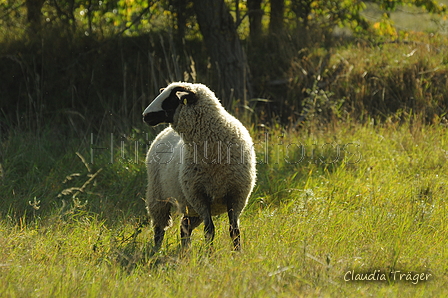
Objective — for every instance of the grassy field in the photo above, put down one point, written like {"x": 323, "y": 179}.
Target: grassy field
{"x": 332, "y": 204}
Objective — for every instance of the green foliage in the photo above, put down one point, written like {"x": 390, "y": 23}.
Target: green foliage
{"x": 429, "y": 5}
{"x": 326, "y": 15}
{"x": 107, "y": 18}
{"x": 320, "y": 105}
{"x": 341, "y": 13}
{"x": 99, "y": 18}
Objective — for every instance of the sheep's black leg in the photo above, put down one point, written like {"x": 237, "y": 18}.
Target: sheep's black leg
{"x": 234, "y": 229}
{"x": 159, "y": 233}
{"x": 188, "y": 224}
{"x": 201, "y": 204}
{"x": 209, "y": 228}
{"x": 160, "y": 213}
{"x": 185, "y": 231}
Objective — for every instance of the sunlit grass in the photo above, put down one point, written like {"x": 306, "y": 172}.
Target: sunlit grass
{"x": 316, "y": 213}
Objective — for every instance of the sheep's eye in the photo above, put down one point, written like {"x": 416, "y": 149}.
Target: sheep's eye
{"x": 170, "y": 103}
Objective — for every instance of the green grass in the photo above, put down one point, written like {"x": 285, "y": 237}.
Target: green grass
{"x": 348, "y": 196}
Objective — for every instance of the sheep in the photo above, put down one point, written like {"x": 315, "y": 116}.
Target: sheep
{"x": 203, "y": 162}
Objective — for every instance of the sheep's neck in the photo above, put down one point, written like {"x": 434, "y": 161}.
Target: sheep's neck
{"x": 209, "y": 126}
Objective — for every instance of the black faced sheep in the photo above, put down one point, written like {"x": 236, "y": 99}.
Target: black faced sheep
{"x": 204, "y": 162}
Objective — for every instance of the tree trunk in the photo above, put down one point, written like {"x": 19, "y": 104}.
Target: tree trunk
{"x": 33, "y": 15}
{"x": 223, "y": 45}
{"x": 255, "y": 16}
{"x": 276, "y": 20}
{"x": 180, "y": 8}
{"x": 302, "y": 9}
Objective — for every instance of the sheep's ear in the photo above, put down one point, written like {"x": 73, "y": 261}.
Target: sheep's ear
{"x": 187, "y": 97}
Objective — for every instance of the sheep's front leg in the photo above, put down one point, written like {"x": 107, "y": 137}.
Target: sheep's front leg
{"x": 209, "y": 228}
{"x": 161, "y": 218}
{"x": 159, "y": 233}
{"x": 188, "y": 224}
{"x": 201, "y": 203}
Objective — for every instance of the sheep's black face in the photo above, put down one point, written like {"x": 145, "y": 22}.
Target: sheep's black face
{"x": 155, "y": 118}
{"x": 166, "y": 114}
{"x": 164, "y": 106}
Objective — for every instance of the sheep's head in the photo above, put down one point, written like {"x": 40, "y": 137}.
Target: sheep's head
{"x": 167, "y": 103}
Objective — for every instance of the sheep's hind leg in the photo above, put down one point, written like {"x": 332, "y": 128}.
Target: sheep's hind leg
{"x": 209, "y": 228}
{"x": 234, "y": 229}
{"x": 161, "y": 220}
{"x": 188, "y": 224}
